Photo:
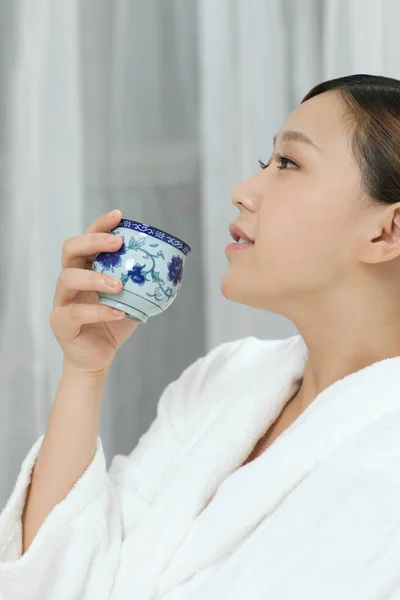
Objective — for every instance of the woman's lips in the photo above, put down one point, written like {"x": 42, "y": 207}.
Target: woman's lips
{"x": 236, "y": 247}
{"x": 237, "y": 233}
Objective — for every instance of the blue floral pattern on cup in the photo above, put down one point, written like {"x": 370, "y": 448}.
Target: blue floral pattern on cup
{"x": 136, "y": 275}
{"x": 111, "y": 260}
{"x": 175, "y": 268}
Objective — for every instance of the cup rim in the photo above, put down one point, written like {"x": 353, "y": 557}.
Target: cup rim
{"x": 188, "y": 248}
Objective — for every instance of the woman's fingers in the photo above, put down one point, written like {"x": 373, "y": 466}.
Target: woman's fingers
{"x": 77, "y": 249}
{"x": 73, "y": 280}
{"x": 104, "y": 222}
{"x": 66, "y": 321}
{"x": 102, "y": 225}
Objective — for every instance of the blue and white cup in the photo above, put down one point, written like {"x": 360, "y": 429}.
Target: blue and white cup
{"x": 150, "y": 264}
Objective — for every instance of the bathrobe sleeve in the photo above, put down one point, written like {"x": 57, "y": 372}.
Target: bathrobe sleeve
{"x": 75, "y": 553}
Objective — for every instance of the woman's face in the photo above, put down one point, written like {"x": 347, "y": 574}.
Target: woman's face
{"x": 302, "y": 216}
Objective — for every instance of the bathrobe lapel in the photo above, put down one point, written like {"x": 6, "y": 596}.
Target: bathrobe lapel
{"x": 183, "y": 534}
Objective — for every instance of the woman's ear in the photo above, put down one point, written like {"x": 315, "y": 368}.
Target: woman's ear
{"x": 386, "y": 245}
{"x": 396, "y": 219}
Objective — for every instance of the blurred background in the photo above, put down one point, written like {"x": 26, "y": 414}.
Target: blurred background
{"x": 159, "y": 108}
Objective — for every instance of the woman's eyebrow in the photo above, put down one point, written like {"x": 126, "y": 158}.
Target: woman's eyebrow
{"x": 296, "y": 136}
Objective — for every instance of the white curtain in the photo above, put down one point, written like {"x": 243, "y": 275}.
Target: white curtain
{"x": 158, "y": 108}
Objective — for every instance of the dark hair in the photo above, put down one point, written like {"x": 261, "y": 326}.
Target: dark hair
{"x": 373, "y": 108}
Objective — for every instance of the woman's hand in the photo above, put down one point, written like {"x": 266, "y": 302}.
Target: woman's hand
{"x": 89, "y": 333}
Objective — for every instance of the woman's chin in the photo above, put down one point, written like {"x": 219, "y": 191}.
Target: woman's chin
{"x": 232, "y": 288}
{"x": 237, "y": 289}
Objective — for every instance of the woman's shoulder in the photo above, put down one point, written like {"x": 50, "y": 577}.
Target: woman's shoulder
{"x": 229, "y": 360}
{"x": 207, "y": 381}
{"x": 375, "y": 448}
{"x": 237, "y": 355}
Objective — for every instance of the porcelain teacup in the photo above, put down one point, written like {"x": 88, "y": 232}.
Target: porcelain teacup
{"x": 150, "y": 264}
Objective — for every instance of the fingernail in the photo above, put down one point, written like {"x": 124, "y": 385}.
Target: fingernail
{"x": 113, "y": 212}
{"x": 112, "y": 282}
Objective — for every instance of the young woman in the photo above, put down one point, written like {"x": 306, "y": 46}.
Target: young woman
{"x": 272, "y": 468}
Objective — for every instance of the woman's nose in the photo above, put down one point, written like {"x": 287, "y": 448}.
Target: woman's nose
{"x": 245, "y": 196}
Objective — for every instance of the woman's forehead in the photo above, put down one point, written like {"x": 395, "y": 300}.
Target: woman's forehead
{"x": 321, "y": 120}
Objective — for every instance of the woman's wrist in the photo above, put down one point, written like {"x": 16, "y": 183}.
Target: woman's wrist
{"x": 69, "y": 369}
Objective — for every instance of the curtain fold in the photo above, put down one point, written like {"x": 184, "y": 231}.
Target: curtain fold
{"x": 44, "y": 206}
{"x": 246, "y": 96}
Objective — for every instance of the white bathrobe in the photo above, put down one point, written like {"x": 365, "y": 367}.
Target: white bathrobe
{"x": 315, "y": 517}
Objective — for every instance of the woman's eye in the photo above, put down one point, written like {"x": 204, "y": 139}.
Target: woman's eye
{"x": 285, "y": 163}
